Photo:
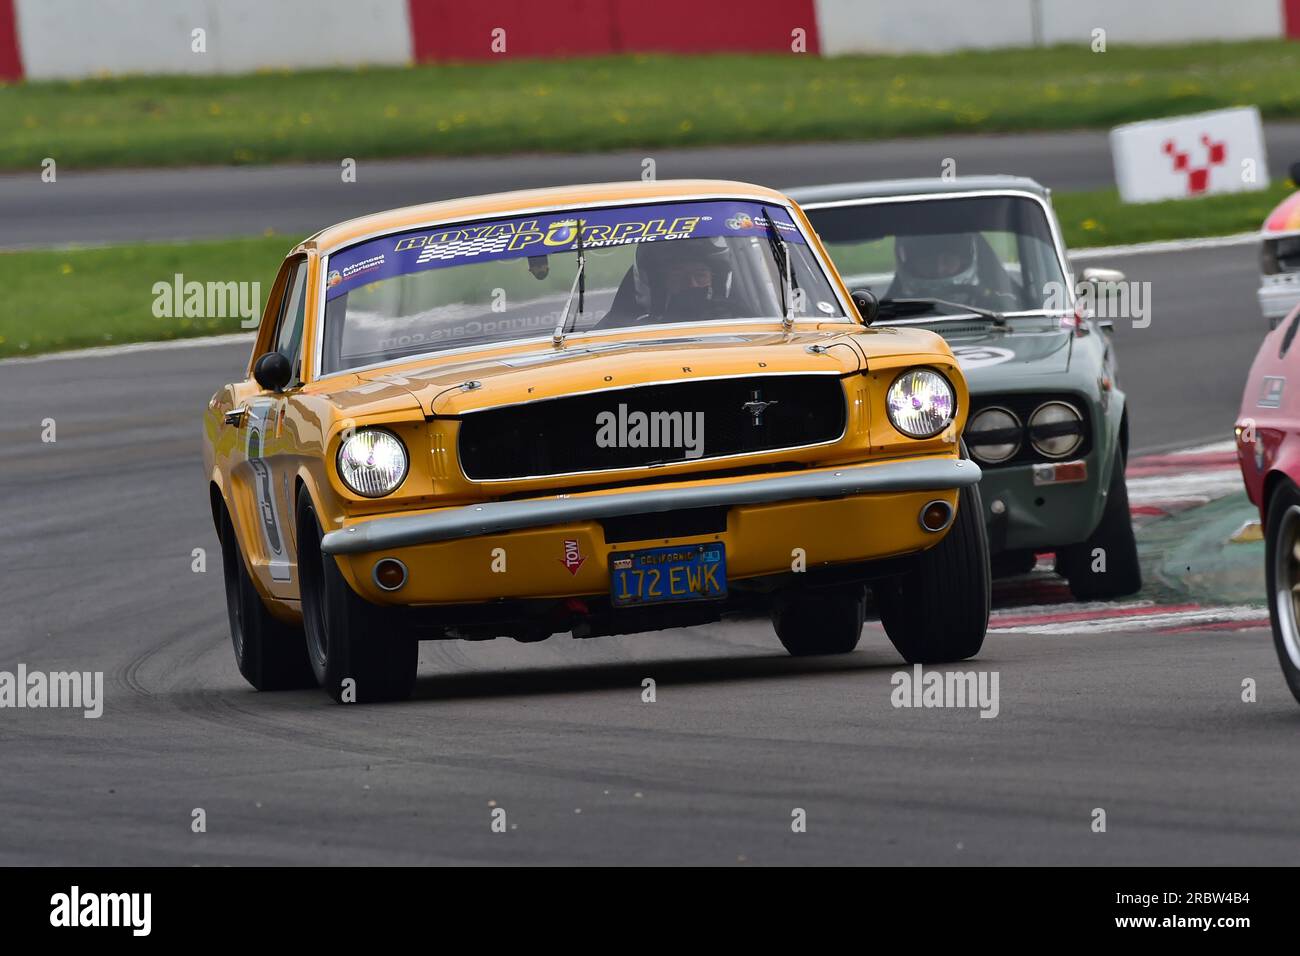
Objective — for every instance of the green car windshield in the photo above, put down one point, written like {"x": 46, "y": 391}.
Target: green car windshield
{"x": 994, "y": 253}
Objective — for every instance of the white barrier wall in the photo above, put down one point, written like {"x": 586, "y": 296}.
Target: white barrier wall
{"x": 1221, "y": 151}
{"x": 58, "y": 39}
{"x": 922, "y": 26}
{"x": 934, "y": 26}
{"x": 1161, "y": 21}
{"x": 72, "y": 38}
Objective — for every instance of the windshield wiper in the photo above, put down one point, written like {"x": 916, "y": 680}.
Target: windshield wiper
{"x": 579, "y": 289}
{"x": 781, "y": 253}
{"x": 917, "y": 306}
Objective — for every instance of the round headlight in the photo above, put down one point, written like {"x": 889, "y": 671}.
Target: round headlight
{"x": 372, "y": 462}
{"x": 993, "y": 435}
{"x": 1056, "y": 429}
{"x": 921, "y": 403}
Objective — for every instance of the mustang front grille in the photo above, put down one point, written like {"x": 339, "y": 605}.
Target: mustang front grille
{"x": 651, "y": 424}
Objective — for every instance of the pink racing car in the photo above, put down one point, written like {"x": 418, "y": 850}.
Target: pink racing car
{"x": 1268, "y": 450}
{"x": 1279, "y": 257}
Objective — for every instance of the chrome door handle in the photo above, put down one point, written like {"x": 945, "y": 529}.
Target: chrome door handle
{"x": 236, "y": 415}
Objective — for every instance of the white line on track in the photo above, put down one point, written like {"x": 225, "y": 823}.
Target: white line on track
{"x": 108, "y": 351}
{"x": 1074, "y": 607}
{"x": 1142, "y": 622}
{"x": 1196, "y": 486}
{"x": 1166, "y": 245}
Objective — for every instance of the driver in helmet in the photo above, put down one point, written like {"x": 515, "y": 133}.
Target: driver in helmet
{"x": 943, "y": 267}
{"x": 683, "y": 280}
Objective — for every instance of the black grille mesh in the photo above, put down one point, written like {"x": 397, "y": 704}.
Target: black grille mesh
{"x": 559, "y": 436}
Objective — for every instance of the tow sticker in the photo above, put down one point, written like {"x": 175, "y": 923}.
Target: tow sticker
{"x": 573, "y": 556}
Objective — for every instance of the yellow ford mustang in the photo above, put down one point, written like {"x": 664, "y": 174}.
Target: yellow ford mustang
{"x": 597, "y": 410}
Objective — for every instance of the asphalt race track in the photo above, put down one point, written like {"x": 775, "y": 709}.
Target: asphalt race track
{"x": 127, "y": 205}
{"x": 99, "y": 532}
{"x": 97, "y": 565}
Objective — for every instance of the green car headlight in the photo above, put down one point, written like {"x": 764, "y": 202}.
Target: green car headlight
{"x": 1056, "y": 429}
{"x": 993, "y": 435}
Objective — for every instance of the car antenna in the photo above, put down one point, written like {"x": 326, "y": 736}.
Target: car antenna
{"x": 579, "y": 289}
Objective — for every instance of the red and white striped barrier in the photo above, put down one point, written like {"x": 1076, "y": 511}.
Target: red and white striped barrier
{"x": 57, "y": 39}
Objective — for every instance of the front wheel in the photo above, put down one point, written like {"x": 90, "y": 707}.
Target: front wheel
{"x": 939, "y": 610}
{"x": 356, "y": 651}
{"x": 1106, "y": 565}
{"x": 1282, "y": 571}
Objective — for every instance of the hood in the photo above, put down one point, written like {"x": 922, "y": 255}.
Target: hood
{"x": 1025, "y": 347}
{"x": 460, "y": 384}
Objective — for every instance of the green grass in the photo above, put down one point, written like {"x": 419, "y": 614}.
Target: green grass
{"x": 1100, "y": 219}
{"x": 626, "y": 102}
{"x": 55, "y": 300}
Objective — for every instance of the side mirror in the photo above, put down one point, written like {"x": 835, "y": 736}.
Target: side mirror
{"x": 272, "y": 371}
{"x": 867, "y": 303}
{"x": 1102, "y": 276}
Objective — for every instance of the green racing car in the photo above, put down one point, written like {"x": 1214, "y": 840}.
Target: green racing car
{"x": 980, "y": 260}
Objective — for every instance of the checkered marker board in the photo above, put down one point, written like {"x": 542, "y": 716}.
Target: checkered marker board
{"x": 1217, "y": 152}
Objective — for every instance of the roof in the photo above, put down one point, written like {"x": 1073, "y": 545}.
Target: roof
{"x": 806, "y": 195}
{"x": 525, "y": 200}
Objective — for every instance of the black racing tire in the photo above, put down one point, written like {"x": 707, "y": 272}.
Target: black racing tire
{"x": 939, "y": 609}
{"x": 1113, "y": 536}
{"x": 820, "y": 621}
{"x": 270, "y": 654}
{"x": 348, "y": 639}
{"x": 1010, "y": 564}
{"x": 1282, "y": 573}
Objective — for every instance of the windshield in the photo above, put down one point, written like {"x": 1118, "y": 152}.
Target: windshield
{"x": 503, "y": 279}
{"x": 989, "y": 252}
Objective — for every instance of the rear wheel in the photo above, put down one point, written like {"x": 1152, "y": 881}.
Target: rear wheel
{"x": 358, "y": 653}
{"x": 1106, "y": 565}
{"x": 268, "y": 652}
{"x": 1282, "y": 570}
{"x": 825, "y": 621}
{"x": 939, "y": 610}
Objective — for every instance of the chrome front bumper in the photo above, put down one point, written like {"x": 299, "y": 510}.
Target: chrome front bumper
{"x": 496, "y": 517}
